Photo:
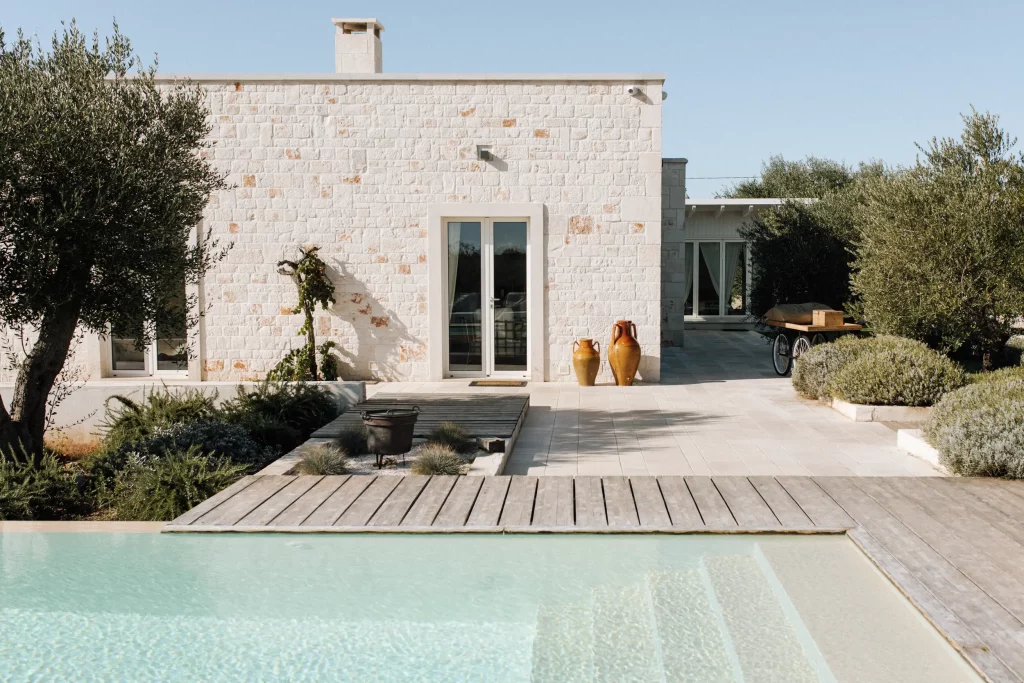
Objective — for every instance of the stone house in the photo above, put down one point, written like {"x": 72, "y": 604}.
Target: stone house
{"x": 474, "y": 224}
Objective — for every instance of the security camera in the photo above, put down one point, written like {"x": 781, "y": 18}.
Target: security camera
{"x": 633, "y": 91}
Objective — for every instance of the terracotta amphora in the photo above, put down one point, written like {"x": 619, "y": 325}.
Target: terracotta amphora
{"x": 586, "y": 361}
{"x": 624, "y": 352}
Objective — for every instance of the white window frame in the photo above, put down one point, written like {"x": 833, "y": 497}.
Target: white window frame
{"x": 437, "y": 307}
{"x": 695, "y": 274}
{"x": 149, "y": 361}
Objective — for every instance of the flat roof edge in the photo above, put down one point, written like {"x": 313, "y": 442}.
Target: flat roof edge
{"x": 451, "y": 78}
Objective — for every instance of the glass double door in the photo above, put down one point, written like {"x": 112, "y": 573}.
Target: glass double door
{"x": 486, "y": 297}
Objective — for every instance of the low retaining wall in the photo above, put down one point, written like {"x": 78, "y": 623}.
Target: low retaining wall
{"x": 912, "y": 441}
{"x": 862, "y": 413}
{"x": 79, "y": 416}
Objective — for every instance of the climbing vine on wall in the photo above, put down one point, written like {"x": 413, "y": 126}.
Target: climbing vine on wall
{"x": 309, "y": 273}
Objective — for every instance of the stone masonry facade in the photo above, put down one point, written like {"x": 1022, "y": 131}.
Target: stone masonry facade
{"x": 352, "y": 164}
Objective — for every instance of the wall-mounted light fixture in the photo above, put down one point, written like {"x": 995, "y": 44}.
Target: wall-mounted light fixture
{"x": 483, "y": 152}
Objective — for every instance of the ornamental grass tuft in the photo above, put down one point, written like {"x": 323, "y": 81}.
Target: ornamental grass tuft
{"x": 453, "y": 435}
{"x": 432, "y": 458}
{"x": 323, "y": 460}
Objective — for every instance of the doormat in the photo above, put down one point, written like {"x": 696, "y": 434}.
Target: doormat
{"x": 496, "y": 383}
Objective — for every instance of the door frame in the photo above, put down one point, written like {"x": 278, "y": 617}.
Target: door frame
{"x": 437, "y": 309}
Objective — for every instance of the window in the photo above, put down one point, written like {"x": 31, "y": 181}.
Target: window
{"x": 166, "y": 354}
{"x": 716, "y": 278}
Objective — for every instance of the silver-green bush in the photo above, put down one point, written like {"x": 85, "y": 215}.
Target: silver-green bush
{"x": 979, "y": 429}
{"x": 433, "y": 458}
{"x": 812, "y": 370}
{"x": 897, "y": 373}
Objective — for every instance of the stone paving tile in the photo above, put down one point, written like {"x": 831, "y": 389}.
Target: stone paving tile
{"x": 719, "y": 410}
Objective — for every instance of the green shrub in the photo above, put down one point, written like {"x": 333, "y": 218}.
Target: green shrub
{"x": 164, "y": 488}
{"x": 812, "y": 371}
{"x": 898, "y": 372}
{"x": 299, "y": 405}
{"x": 1013, "y": 351}
{"x": 47, "y": 491}
{"x": 453, "y": 435}
{"x": 127, "y": 420}
{"x": 325, "y": 460}
{"x": 353, "y": 441}
{"x": 1001, "y": 375}
{"x": 436, "y": 459}
{"x": 219, "y": 440}
{"x": 979, "y": 429}
{"x": 267, "y": 431}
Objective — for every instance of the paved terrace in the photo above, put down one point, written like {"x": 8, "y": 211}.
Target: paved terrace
{"x": 720, "y": 410}
{"x": 954, "y": 546}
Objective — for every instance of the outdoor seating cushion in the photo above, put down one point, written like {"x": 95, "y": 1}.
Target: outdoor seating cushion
{"x": 800, "y": 314}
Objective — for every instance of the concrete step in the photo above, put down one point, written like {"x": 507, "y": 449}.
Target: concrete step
{"x": 624, "y": 646}
{"x": 563, "y": 646}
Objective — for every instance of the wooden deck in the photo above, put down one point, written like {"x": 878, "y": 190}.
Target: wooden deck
{"x": 486, "y": 416}
{"x": 954, "y": 546}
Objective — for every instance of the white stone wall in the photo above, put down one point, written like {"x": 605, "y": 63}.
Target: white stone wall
{"x": 673, "y": 250}
{"x": 351, "y": 166}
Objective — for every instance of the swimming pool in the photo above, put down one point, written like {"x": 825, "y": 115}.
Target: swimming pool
{"x": 175, "y": 607}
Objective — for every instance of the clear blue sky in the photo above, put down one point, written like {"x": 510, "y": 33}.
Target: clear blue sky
{"x": 746, "y": 79}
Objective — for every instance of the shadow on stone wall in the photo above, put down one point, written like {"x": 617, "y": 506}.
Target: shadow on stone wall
{"x": 384, "y": 348}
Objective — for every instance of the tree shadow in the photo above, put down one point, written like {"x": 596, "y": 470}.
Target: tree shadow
{"x": 374, "y": 344}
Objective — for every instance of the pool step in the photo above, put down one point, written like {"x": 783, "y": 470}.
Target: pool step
{"x": 766, "y": 643}
{"x": 563, "y": 646}
{"x": 624, "y": 649}
{"x": 693, "y": 645}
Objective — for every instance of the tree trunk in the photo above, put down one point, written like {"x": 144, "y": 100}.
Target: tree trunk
{"x": 988, "y": 362}
{"x": 36, "y": 378}
{"x": 311, "y": 343}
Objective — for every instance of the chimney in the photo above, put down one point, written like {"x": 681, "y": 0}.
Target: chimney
{"x": 357, "y": 47}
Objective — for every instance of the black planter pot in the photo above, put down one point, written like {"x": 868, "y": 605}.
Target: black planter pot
{"x": 389, "y": 432}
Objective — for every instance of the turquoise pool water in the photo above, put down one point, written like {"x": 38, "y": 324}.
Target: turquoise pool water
{"x": 147, "y": 607}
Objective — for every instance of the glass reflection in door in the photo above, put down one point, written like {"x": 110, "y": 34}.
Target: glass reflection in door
{"x": 465, "y": 347}
{"x": 509, "y": 292}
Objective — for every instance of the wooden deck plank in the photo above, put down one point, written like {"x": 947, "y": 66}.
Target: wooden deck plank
{"x": 394, "y": 509}
{"x": 997, "y": 497}
{"x": 339, "y": 501}
{"x": 650, "y": 506}
{"x": 590, "y": 512}
{"x": 554, "y": 506}
{"x": 681, "y": 507}
{"x": 997, "y": 628}
{"x": 970, "y": 645}
{"x": 278, "y": 502}
{"x": 365, "y": 506}
{"x": 214, "y": 500}
{"x": 991, "y": 513}
{"x": 487, "y": 510}
{"x": 245, "y": 501}
{"x": 816, "y": 503}
{"x": 456, "y": 509}
{"x": 518, "y": 510}
{"x": 425, "y": 509}
{"x": 298, "y": 511}
{"x": 789, "y": 514}
{"x": 712, "y": 507}
{"x": 945, "y": 540}
{"x": 745, "y": 503}
{"x": 618, "y": 502}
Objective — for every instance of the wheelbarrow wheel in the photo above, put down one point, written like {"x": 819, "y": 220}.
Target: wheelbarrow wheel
{"x": 818, "y": 338}
{"x": 801, "y": 346}
{"x": 781, "y": 354}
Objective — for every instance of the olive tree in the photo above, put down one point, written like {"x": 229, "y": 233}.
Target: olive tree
{"x": 940, "y": 254}
{"x": 102, "y": 183}
{"x": 801, "y": 250}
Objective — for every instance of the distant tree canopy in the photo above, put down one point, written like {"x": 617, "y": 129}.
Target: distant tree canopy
{"x": 940, "y": 251}
{"x": 801, "y": 250}
{"x": 101, "y": 186}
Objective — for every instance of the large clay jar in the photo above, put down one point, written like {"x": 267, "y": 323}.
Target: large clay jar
{"x": 624, "y": 353}
{"x": 586, "y": 361}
